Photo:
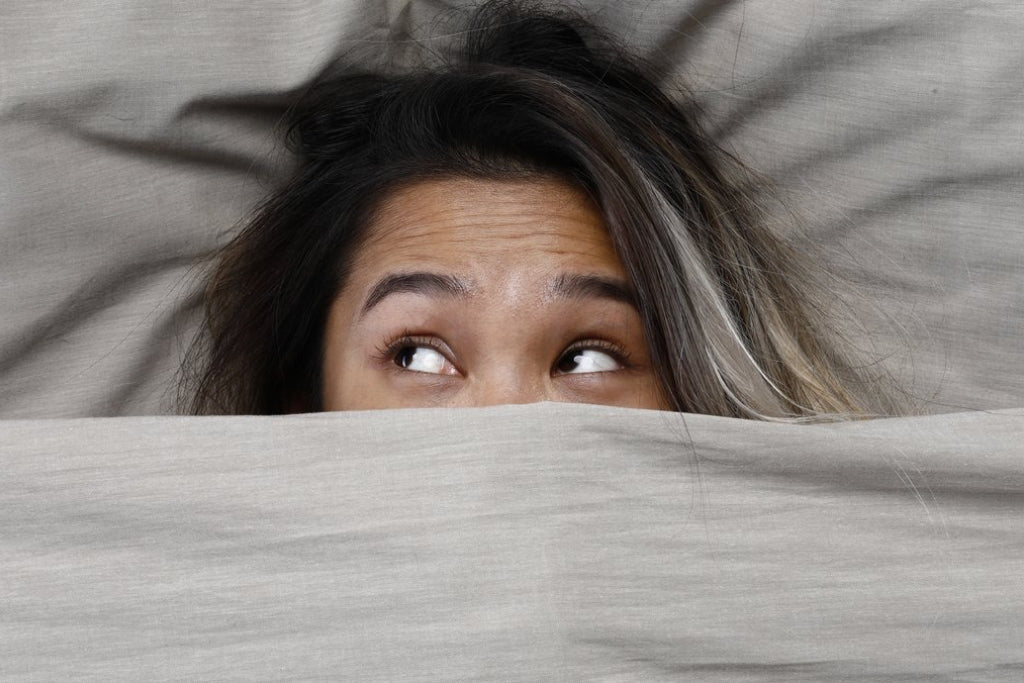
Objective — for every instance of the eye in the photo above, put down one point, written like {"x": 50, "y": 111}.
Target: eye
{"x": 587, "y": 359}
{"x": 417, "y": 358}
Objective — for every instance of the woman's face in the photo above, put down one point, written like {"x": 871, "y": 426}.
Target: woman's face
{"x": 473, "y": 293}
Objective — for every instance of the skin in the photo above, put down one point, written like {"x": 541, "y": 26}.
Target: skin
{"x": 461, "y": 295}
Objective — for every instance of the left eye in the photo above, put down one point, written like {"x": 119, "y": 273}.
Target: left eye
{"x": 579, "y": 361}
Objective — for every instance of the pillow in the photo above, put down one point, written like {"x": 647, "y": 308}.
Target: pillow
{"x": 135, "y": 137}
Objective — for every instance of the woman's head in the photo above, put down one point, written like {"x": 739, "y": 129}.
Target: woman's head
{"x": 471, "y": 292}
{"x": 480, "y": 292}
{"x": 510, "y": 207}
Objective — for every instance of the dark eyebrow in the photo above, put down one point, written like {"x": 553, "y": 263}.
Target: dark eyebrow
{"x": 593, "y": 286}
{"x": 430, "y": 284}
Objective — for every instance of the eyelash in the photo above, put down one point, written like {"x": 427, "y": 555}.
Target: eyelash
{"x": 387, "y": 351}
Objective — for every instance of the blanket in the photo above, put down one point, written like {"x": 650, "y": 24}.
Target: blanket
{"x": 543, "y": 542}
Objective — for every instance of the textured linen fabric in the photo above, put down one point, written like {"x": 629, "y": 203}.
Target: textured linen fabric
{"x": 135, "y": 135}
{"x": 543, "y": 542}
{"x": 523, "y": 543}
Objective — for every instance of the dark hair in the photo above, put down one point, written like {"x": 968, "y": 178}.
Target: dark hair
{"x": 528, "y": 92}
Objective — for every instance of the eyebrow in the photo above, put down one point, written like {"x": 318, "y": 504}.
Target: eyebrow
{"x": 564, "y": 286}
{"x": 429, "y": 284}
{"x": 592, "y": 287}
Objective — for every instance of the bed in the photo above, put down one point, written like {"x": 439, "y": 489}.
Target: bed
{"x": 517, "y": 542}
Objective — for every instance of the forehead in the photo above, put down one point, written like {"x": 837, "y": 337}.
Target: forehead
{"x": 489, "y": 226}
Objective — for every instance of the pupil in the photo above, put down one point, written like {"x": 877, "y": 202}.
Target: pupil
{"x": 405, "y": 356}
{"x": 568, "y": 362}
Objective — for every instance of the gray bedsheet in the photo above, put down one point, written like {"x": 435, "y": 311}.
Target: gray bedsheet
{"x": 135, "y": 135}
{"x": 520, "y": 542}
{"x": 513, "y": 543}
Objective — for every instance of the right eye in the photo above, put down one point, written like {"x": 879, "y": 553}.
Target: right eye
{"x": 418, "y": 358}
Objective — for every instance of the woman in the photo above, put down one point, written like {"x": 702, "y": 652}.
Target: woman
{"x": 531, "y": 218}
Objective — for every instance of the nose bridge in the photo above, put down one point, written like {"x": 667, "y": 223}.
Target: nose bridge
{"x": 506, "y": 367}
{"x": 506, "y": 383}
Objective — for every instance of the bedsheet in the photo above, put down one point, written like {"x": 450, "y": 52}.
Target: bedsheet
{"x": 522, "y": 542}
{"x": 542, "y": 542}
{"x": 136, "y": 134}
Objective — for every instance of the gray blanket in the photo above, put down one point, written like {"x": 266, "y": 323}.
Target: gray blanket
{"x": 513, "y": 543}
